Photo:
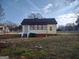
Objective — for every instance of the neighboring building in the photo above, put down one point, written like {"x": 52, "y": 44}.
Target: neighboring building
{"x": 39, "y": 26}
{"x": 3, "y": 29}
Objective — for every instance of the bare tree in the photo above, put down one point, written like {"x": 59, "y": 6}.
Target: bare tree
{"x": 77, "y": 21}
{"x": 77, "y": 14}
{"x": 35, "y": 15}
{"x": 1, "y": 12}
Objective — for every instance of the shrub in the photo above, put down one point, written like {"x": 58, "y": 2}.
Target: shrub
{"x": 32, "y": 35}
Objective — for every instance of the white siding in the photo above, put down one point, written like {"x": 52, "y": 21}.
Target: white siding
{"x": 54, "y": 28}
{"x": 26, "y": 29}
{"x": 38, "y": 31}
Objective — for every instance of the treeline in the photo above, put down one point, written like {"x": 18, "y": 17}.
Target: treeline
{"x": 74, "y": 27}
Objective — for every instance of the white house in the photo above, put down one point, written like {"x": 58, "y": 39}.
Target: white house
{"x": 39, "y": 26}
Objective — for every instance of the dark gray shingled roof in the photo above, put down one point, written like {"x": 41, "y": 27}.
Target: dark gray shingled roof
{"x": 36, "y": 21}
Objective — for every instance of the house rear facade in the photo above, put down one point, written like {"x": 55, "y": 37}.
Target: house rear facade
{"x": 39, "y": 26}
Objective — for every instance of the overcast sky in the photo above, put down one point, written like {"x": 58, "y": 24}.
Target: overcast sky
{"x": 63, "y": 10}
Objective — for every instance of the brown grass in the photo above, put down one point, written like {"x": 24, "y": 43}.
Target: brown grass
{"x": 60, "y": 46}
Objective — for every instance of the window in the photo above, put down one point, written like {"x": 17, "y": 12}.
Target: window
{"x": 50, "y": 28}
{"x": 38, "y": 27}
{"x": 41, "y": 27}
{"x": 35, "y": 27}
{"x": 44, "y": 27}
{"x": 32, "y": 27}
